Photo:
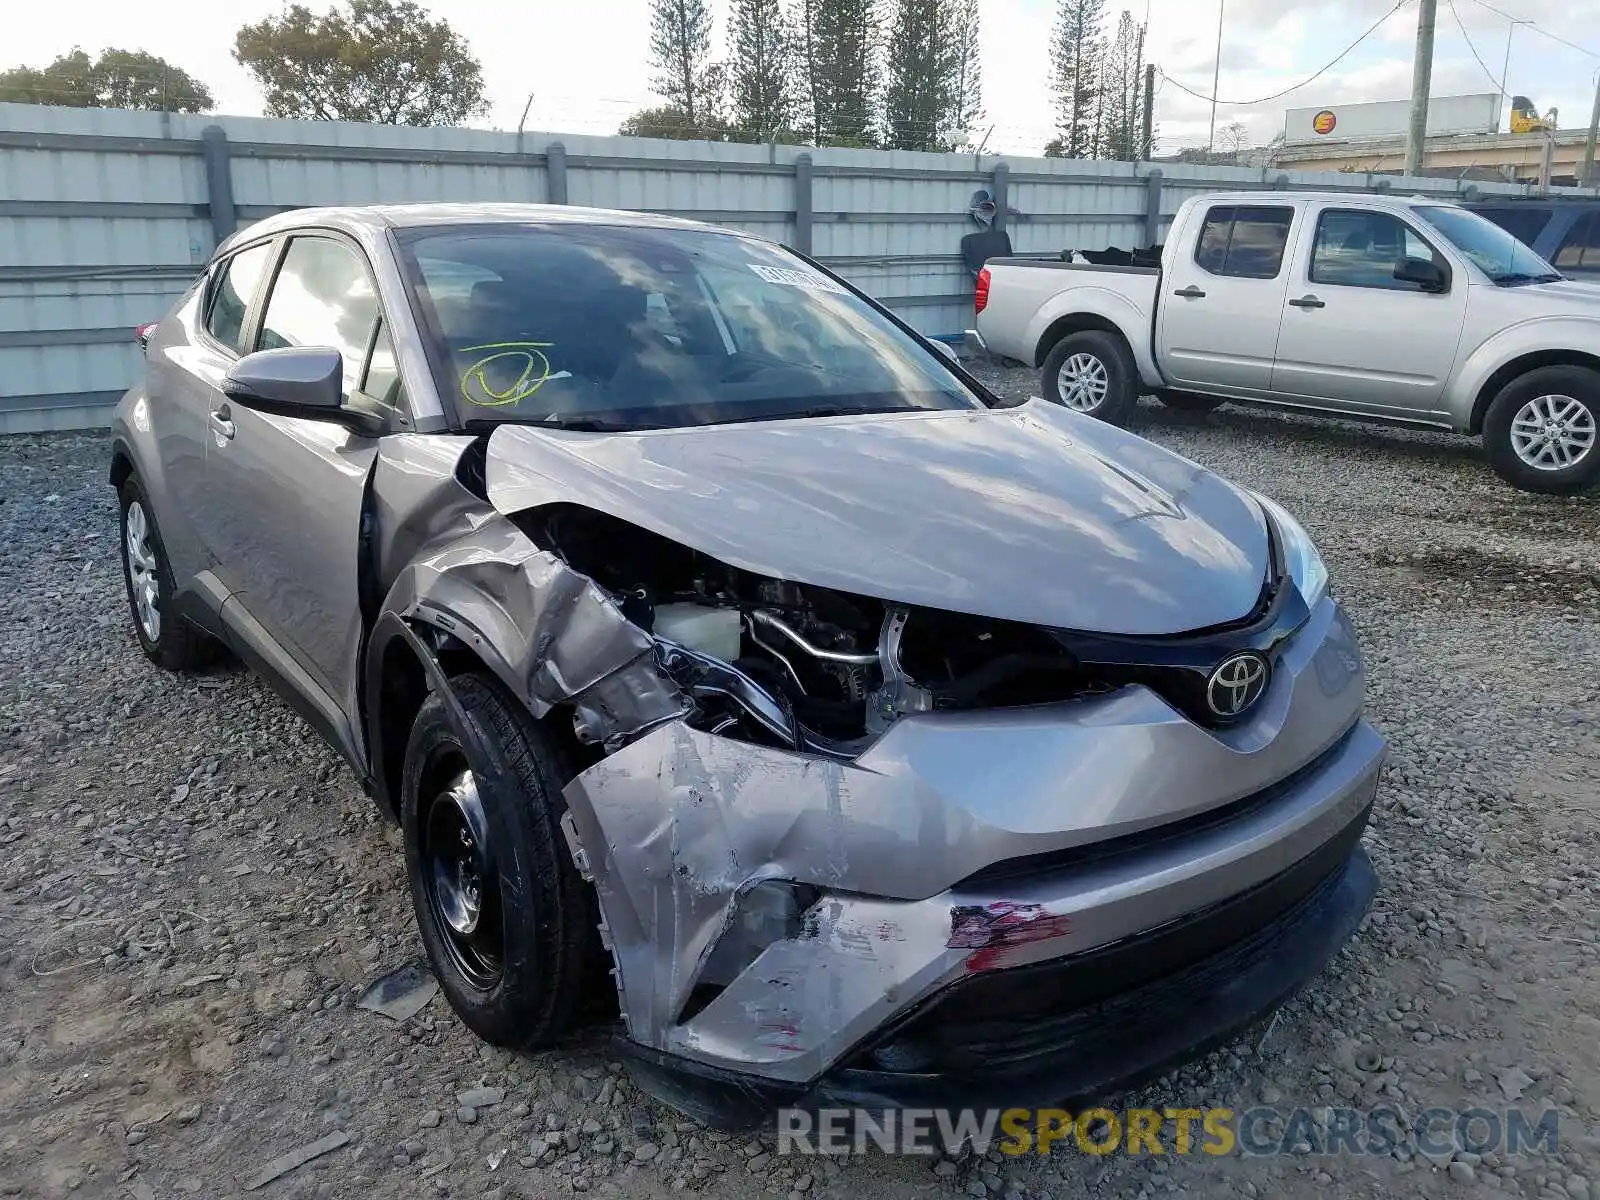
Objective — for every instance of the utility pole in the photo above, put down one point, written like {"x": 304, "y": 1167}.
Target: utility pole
{"x": 1147, "y": 135}
{"x": 1505, "y": 67}
{"x": 1216, "y": 75}
{"x": 1421, "y": 81}
{"x": 1586, "y": 168}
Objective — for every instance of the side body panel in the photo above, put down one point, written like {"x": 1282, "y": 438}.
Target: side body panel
{"x": 1368, "y": 350}
{"x": 1496, "y": 336}
{"x": 1027, "y": 298}
{"x": 171, "y": 457}
{"x": 287, "y": 497}
{"x": 1219, "y": 333}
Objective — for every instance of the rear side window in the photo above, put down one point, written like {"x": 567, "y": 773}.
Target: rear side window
{"x": 1524, "y": 224}
{"x": 1580, "y": 249}
{"x": 231, "y": 295}
{"x": 1244, "y": 240}
{"x": 323, "y": 296}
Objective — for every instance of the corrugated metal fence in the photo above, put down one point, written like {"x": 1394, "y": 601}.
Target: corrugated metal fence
{"x": 106, "y": 215}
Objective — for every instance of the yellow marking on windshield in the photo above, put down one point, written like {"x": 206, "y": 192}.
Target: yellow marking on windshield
{"x": 475, "y": 386}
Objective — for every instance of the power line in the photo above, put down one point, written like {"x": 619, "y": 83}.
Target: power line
{"x": 1461, "y": 25}
{"x": 1537, "y": 29}
{"x": 1371, "y": 29}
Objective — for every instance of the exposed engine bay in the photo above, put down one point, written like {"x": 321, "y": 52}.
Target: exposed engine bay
{"x": 795, "y": 665}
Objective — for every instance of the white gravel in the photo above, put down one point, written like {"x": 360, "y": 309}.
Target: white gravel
{"x": 193, "y": 892}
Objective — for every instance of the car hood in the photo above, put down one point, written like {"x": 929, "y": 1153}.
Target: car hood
{"x": 1032, "y": 513}
{"x": 1576, "y": 291}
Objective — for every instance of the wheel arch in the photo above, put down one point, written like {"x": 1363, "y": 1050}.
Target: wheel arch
{"x": 408, "y": 660}
{"x": 1519, "y": 366}
{"x": 1077, "y": 322}
{"x": 122, "y": 467}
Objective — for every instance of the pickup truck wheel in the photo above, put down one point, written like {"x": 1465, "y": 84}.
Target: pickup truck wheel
{"x": 1092, "y": 372}
{"x": 1542, "y": 433}
{"x": 1189, "y": 402}
{"x": 510, "y": 928}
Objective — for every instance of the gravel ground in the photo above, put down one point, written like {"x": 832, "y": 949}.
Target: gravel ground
{"x": 193, "y": 892}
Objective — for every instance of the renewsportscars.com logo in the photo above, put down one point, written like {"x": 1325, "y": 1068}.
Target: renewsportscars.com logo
{"x": 1255, "y": 1132}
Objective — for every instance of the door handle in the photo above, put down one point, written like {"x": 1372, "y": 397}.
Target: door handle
{"x": 221, "y": 426}
{"x": 1190, "y": 293}
{"x": 1307, "y": 302}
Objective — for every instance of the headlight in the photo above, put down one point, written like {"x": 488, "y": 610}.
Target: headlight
{"x": 1300, "y": 553}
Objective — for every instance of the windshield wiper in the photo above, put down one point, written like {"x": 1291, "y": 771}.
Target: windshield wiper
{"x": 581, "y": 424}
{"x": 817, "y": 410}
{"x": 1513, "y": 278}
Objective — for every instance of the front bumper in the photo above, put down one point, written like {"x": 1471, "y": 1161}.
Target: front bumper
{"x": 963, "y": 850}
{"x": 1071, "y": 1031}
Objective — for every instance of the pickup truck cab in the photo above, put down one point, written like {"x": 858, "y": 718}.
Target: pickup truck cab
{"x": 1407, "y": 310}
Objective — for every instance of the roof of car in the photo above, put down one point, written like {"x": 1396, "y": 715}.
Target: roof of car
{"x": 1329, "y": 197}
{"x": 399, "y": 216}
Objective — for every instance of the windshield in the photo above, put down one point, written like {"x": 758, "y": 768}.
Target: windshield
{"x": 1497, "y": 253}
{"x": 602, "y": 327}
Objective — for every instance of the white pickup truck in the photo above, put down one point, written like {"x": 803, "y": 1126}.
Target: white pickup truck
{"x": 1414, "y": 311}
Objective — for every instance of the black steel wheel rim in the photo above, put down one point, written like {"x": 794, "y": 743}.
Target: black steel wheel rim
{"x": 459, "y": 875}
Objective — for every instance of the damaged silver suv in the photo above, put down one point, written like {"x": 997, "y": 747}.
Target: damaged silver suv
{"x": 730, "y": 656}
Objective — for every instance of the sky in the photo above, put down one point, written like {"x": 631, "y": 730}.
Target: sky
{"x": 586, "y": 64}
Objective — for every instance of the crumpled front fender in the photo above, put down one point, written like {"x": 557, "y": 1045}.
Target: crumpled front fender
{"x": 550, "y": 633}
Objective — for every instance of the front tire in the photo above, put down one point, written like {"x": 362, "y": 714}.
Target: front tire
{"x": 166, "y": 638}
{"x": 510, "y": 928}
{"x": 1092, "y": 372}
{"x": 1542, "y": 432}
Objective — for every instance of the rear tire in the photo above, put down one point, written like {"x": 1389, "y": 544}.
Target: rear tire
{"x": 1542, "y": 432}
{"x": 1189, "y": 402}
{"x": 1092, "y": 372}
{"x": 510, "y": 928}
{"x": 167, "y": 639}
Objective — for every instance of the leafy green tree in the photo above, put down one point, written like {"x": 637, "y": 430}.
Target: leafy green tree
{"x": 761, "y": 68}
{"x": 1077, "y": 49}
{"x": 680, "y": 52}
{"x": 373, "y": 60}
{"x": 117, "y": 79}
{"x": 673, "y": 123}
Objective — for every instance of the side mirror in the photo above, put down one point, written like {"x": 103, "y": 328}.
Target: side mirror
{"x": 297, "y": 381}
{"x": 1427, "y": 275}
{"x": 946, "y": 349}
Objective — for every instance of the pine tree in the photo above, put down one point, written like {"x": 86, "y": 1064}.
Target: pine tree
{"x": 839, "y": 41}
{"x": 762, "y": 68}
{"x": 923, "y": 62}
{"x": 1076, "y": 50}
{"x": 1122, "y": 93}
{"x": 680, "y": 52}
{"x": 967, "y": 104}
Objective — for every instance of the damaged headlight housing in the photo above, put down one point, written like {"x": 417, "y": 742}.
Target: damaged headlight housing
{"x": 1300, "y": 553}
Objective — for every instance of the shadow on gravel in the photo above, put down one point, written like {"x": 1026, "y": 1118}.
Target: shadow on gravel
{"x": 1328, "y": 433}
{"x": 1468, "y": 572}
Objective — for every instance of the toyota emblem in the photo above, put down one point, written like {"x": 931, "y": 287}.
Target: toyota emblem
{"x": 1236, "y": 684}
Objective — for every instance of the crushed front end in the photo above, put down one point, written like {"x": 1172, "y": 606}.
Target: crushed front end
{"x": 881, "y": 854}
